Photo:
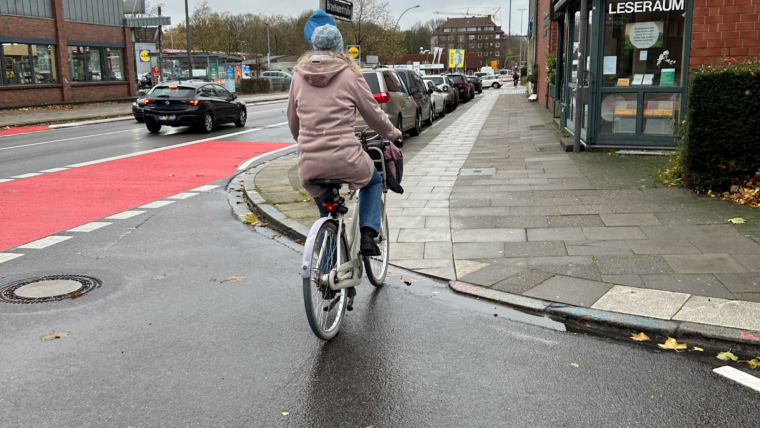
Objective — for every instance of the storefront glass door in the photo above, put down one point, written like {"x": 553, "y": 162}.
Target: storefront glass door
{"x": 571, "y": 89}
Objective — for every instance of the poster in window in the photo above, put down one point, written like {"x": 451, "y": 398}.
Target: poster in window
{"x": 668, "y": 77}
{"x": 643, "y": 35}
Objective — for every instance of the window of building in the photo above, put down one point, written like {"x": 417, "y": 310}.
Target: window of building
{"x": 661, "y": 112}
{"x": 26, "y": 64}
{"x": 451, "y": 38}
{"x": 43, "y": 57}
{"x": 480, "y": 53}
{"x": 115, "y": 64}
{"x": 472, "y": 45}
{"x": 480, "y": 37}
{"x": 462, "y": 29}
{"x": 472, "y": 29}
{"x": 619, "y": 113}
{"x": 472, "y": 37}
{"x": 498, "y": 45}
{"x": 447, "y": 30}
{"x": 18, "y": 65}
{"x": 461, "y": 38}
{"x": 497, "y": 53}
{"x": 76, "y": 64}
{"x": 480, "y": 45}
{"x": 635, "y": 47}
{"x": 95, "y": 64}
{"x": 498, "y": 36}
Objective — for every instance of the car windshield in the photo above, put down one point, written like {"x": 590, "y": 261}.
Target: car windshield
{"x": 436, "y": 80}
{"x": 372, "y": 81}
{"x": 173, "y": 92}
{"x": 456, "y": 78}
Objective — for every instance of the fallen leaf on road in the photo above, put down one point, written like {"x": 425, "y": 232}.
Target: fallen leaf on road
{"x": 251, "y": 219}
{"x": 575, "y": 364}
{"x": 672, "y": 344}
{"x": 171, "y": 175}
{"x": 753, "y": 363}
{"x": 436, "y": 292}
{"x": 200, "y": 175}
{"x": 159, "y": 277}
{"x": 725, "y": 356}
{"x": 60, "y": 335}
{"x": 276, "y": 236}
{"x": 640, "y": 337}
{"x": 75, "y": 295}
{"x": 234, "y": 279}
{"x": 285, "y": 413}
{"x": 495, "y": 314}
{"x": 696, "y": 348}
{"x": 408, "y": 281}
{"x": 737, "y": 220}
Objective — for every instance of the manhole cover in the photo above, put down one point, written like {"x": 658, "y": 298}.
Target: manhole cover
{"x": 48, "y": 288}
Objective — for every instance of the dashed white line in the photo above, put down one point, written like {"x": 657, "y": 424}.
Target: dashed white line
{"x": 5, "y": 180}
{"x": 45, "y": 242}
{"x": 739, "y": 376}
{"x": 125, "y": 215}
{"x": 65, "y": 139}
{"x": 89, "y": 227}
{"x": 205, "y": 188}
{"x": 31, "y": 174}
{"x": 157, "y": 204}
{"x": 54, "y": 170}
{"x": 4, "y": 257}
{"x": 182, "y": 196}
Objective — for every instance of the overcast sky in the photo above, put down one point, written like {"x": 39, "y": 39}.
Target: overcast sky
{"x": 176, "y": 9}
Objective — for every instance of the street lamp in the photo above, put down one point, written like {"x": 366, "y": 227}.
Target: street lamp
{"x": 189, "y": 47}
{"x": 269, "y": 49}
{"x": 399, "y": 18}
{"x": 242, "y": 47}
{"x": 521, "y": 27}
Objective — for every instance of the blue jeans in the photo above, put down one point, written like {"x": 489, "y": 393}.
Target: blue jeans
{"x": 370, "y": 199}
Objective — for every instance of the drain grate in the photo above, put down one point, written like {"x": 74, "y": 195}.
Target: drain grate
{"x": 51, "y": 288}
{"x": 536, "y": 127}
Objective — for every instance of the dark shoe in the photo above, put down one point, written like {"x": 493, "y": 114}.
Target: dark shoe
{"x": 368, "y": 246}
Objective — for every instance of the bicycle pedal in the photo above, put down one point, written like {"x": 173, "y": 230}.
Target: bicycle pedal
{"x": 350, "y": 304}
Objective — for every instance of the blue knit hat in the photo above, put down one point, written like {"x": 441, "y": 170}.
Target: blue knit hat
{"x": 327, "y": 38}
{"x": 317, "y": 19}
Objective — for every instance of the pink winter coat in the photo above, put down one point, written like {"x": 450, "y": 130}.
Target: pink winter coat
{"x": 324, "y": 97}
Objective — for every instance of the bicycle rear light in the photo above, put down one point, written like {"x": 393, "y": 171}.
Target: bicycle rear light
{"x": 330, "y": 207}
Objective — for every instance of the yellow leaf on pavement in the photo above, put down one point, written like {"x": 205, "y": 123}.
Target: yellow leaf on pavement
{"x": 672, "y": 344}
{"x": 54, "y": 336}
{"x": 159, "y": 277}
{"x": 233, "y": 279}
{"x": 640, "y": 337}
{"x": 575, "y": 364}
{"x": 754, "y": 363}
{"x": 737, "y": 220}
{"x": 696, "y": 348}
{"x": 725, "y": 356}
{"x": 285, "y": 413}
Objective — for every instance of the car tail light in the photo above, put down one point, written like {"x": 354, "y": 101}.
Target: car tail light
{"x": 193, "y": 102}
{"x": 146, "y": 101}
{"x": 331, "y": 207}
{"x": 382, "y": 97}
{"x": 461, "y": 85}
{"x": 172, "y": 87}
{"x": 445, "y": 88}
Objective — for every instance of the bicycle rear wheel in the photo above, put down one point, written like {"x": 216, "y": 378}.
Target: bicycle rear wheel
{"x": 377, "y": 266}
{"x": 325, "y": 307}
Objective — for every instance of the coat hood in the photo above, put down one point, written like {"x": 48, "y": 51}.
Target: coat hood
{"x": 319, "y": 70}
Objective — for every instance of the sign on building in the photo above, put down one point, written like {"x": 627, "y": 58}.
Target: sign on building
{"x": 355, "y": 51}
{"x": 456, "y": 58}
{"x": 338, "y": 9}
{"x": 373, "y": 59}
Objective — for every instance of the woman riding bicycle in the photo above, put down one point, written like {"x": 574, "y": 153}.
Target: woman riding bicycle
{"x": 326, "y": 91}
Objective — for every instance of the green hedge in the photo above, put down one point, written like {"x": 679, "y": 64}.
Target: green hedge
{"x": 255, "y": 86}
{"x": 721, "y": 133}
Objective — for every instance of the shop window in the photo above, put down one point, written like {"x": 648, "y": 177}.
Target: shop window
{"x": 661, "y": 112}
{"x": 644, "y": 46}
{"x": 44, "y": 64}
{"x": 18, "y": 66}
{"x": 76, "y": 64}
{"x": 115, "y": 63}
{"x": 94, "y": 65}
{"x": 619, "y": 113}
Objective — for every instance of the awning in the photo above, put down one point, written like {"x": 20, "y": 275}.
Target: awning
{"x": 147, "y": 21}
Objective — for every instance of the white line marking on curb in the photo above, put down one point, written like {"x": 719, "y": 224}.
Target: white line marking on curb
{"x": 31, "y": 174}
{"x": 125, "y": 215}
{"x": 182, "y": 196}
{"x": 247, "y": 163}
{"x": 4, "y": 257}
{"x": 157, "y": 204}
{"x": 739, "y": 376}
{"x": 67, "y": 139}
{"x": 45, "y": 242}
{"x": 89, "y": 227}
{"x": 205, "y": 188}
{"x": 5, "y": 180}
{"x": 54, "y": 170}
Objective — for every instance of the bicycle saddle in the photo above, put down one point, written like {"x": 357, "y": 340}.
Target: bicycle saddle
{"x": 328, "y": 182}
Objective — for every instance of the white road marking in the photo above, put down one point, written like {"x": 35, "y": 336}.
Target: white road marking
{"x": 4, "y": 257}
{"x": 45, "y": 242}
{"x": 67, "y": 139}
{"x": 275, "y": 125}
{"x": 31, "y": 174}
{"x": 125, "y": 215}
{"x": 157, "y": 204}
{"x": 265, "y": 111}
{"x": 89, "y": 227}
{"x": 5, "y": 180}
{"x": 54, "y": 170}
{"x": 739, "y": 376}
{"x": 247, "y": 163}
{"x": 182, "y": 196}
{"x": 205, "y": 188}
{"x": 92, "y": 122}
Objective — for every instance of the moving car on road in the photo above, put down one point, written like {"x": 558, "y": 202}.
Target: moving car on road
{"x": 451, "y": 94}
{"x": 139, "y": 105}
{"x": 389, "y": 91}
{"x": 192, "y": 103}
{"x": 460, "y": 81}
{"x": 493, "y": 81}
{"x": 438, "y": 99}
{"x": 476, "y": 85}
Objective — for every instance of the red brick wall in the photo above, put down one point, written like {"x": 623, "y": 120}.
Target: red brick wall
{"x": 544, "y": 44}
{"x": 33, "y": 28}
{"x": 30, "y": 95}
{"x": 724, "y": 28}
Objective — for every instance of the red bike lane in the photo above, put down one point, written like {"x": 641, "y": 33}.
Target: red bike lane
{"x": 36, "y": 207}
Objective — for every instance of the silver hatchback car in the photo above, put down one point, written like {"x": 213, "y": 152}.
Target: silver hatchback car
{"x": 389, "y": 91}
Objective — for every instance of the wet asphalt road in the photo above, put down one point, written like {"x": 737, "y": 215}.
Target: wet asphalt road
{"x": 189, "y": 350}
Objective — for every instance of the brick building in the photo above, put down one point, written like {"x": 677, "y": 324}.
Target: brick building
{"x": 54, "y": 51}
{"x": 639, "y": 56}
{"x": 473, "y": 34}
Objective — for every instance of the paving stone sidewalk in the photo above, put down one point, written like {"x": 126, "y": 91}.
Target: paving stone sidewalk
{"x": 491, "y": 202}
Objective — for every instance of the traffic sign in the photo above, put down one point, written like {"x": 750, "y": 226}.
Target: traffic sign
{"x": 355, "y": 51}
{"x": 494, "y": 65}
{"x": 338, "y": 9}
{"x": 144, "y": 55}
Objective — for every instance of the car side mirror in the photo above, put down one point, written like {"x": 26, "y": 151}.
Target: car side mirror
{"x": 234, "y": 96}
{"x": 413, "y": 91}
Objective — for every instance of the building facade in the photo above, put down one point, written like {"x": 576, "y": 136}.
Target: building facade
{"x": 639, "y": 55}
{"x": 472, "y": 62}
{"x": 478, "y": 35}
{"x": 56, "y": 51}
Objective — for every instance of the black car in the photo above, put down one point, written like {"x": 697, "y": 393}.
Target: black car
{"x": 193, "y": 103}
{"x": 460, "y": 81}
{"x": 476, "y": 83}
{"x": 139, "y": 105}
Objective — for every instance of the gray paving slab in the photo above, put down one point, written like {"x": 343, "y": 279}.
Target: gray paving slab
{"x": 442, "y": 234}
{"x": 575, "y": 266}
{"x": 556, "y": 234}
{"x": 584, "y": 209}
{"x": 498, "y": 222}
{"x": 597, "y": 248}
{"x": 478, "y": 250}
{"x": 401, "y": 222}
{"x": 631, "y": 280}
{"x": 699, "y": 284}
{"x": 438, "y": 250}
{"x": 750, "y": 261}
{"x": 662, "y": 246}
{"x": 641, "y": 301}
{"x": 522, "y": 281}
{"x": 422, "y": 263}
{"x": 534, "y": 249}
{"x": 407, "y": 251}
{"x": 629, "y": 207}
{"x": 488, "y": 235}
{"x": 441, "y": 272}
{"x": 632, "y": 265}
{"x": 592, "y": 220}
{"x": 689, "y": 218}
{"x": 574, "y": 291}
{"x": 530, "y": 211}
{"x": 741, "y": 282}
{"x": 673, "y": 232}
{"x": 491, "y": 274}
{"x": 480, "y": 212}
{"x": 726, "y": 313}
{"x": 634, "y": 219}
{"x": 613, "y": 233}
{"x": 739, "y": 245}
{"x": 704, "y": 263}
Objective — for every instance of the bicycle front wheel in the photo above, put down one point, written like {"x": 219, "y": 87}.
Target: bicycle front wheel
{"x": 377, "y": 266}
{"x": 325, "y": 307}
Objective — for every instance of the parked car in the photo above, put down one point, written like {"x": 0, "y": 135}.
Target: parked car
{"x": 476, "y": 85}
{"x": 192, "y": 103}
{"x": 278, "y": 80}
{"x": 139, "y": 105}
{"x": 464, "y": 88}
{"x": 450, "y": 91}
{"x": 495, "y": 82}
{"x": 389, "y": 91}
{"x": 417, "y": 89}
{"x": 438, "y": 98}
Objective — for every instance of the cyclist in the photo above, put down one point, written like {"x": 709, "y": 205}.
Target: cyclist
{"x": 326, "y": 91}
{"x": 516, "y": 77}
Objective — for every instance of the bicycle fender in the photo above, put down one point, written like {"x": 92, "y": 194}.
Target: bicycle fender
{"x": 308, "y": 249}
